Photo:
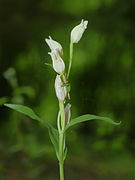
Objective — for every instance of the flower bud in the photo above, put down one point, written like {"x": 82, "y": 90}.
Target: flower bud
{"x": 67, "y": 113}
{"x": 78, "y": 31}
{"x": 60, "y": 88}
{"x": 54, "y": 45}
{"x": 58, "y": 63}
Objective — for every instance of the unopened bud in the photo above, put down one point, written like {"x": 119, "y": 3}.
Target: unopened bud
{"x": 60, "y": 89}
{"x": 78, "y": 31}
{"x": 57, "y": 61}
{"x": 54, "y": 45}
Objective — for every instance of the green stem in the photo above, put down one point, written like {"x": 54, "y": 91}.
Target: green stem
{"x": 61, "y": 154}
{"x": 61, "y": 172}
{"x": 61, "y": 140}
{"x": 62, "y": 112}
{"x": 70, "y": 58}
{"x": 58, "y": 122}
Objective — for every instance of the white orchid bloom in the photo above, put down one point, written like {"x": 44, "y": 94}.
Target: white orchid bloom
{"x": 57, "y": 61}
{"x": 78, "y": 31}
{"x": 67, "y": 113}
{"x": 54, "y": 45}
{"x": 60, "y": 89}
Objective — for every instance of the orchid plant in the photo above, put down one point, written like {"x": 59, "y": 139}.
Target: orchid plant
{"x": 62, "y": 88}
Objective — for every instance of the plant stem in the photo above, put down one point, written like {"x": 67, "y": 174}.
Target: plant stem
{"x": 61, "y": 172}
{"x": 70, "y": 58}
{"x": 62, "y": 113}
{"x": 58, "y": 122}
{"x": 61, "y": 140}
{"x": 61, "y": 161}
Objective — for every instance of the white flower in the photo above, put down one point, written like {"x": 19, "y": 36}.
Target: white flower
{"x": 58, "y": 63}
{"x": 67, "y": 113}
{"x": 54, "y": 45}
{"x": 78, "y": 31}
{"x": 60, "y": 89}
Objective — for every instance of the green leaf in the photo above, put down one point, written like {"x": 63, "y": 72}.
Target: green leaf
{"x": 24, "y": 110}
{"x": 27, "y": 111}
{"x": 54, "y": 136}
{"x": 88, "y": 117}
{"x": 53, "y": 133}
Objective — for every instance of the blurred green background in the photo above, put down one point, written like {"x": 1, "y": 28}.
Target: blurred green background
{"x": 102, "y": 79}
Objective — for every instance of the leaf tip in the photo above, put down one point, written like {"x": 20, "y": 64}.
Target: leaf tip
{"x": 6, "y": 104}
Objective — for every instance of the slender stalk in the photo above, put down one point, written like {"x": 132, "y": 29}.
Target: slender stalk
{"x": 61, "y": 140}
{"x": 70, "y": 58}
{"x": 58, "y": 122}
{"x": 61, "y": 172}
{"x": 62, "y": 112}
{"x": 61, "y": 154}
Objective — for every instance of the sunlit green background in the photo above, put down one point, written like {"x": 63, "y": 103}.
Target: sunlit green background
{"x": 102, "y": 82}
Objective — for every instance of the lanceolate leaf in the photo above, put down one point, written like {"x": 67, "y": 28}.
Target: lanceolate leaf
{"x": 24, "y": 110}
{"x": 27, "y": 111}
{"x": 53, "y": 133}
{"x": 88, "y": 117}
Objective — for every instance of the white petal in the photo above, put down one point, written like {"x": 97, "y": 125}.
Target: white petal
{"x": 78, "y": 31}
{"x": 54, "y": 45}
{"x": 57, "y": 61}
{"x": 60, "y": 89}
{"x": 85, "y": 23}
